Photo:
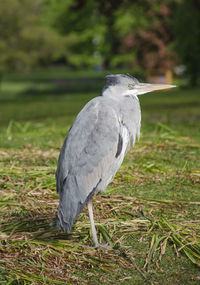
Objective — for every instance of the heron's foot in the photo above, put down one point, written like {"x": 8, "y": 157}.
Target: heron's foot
{"x": 103, "y": 245}
{"x": 97, "y": 246}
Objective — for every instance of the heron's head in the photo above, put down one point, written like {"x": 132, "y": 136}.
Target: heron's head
{"x": 126, "y": 85}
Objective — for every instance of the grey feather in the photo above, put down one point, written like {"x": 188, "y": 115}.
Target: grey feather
{"x": 96, "y": 144}
{"x": 117, "y": 79}
{"x": 119, "y": 146}
{"x": 92, "y": 153}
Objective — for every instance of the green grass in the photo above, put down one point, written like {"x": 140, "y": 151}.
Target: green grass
{"x": 150, "y": 212}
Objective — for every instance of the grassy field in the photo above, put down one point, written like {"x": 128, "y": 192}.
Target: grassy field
{"x": 150, "y": 212}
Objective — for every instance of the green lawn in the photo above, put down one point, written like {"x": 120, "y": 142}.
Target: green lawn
{"x": 150, "y": 213}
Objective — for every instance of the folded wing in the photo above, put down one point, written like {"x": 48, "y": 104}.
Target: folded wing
{"x": 89, "y": 158}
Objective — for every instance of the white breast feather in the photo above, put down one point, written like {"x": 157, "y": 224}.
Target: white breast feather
{"x": 118, "y": 161}
{"x": 125, "y": 138}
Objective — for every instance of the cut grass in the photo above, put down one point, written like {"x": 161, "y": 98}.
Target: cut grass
{"x": 150, "y": 212}
{"x": 140, "y": 226}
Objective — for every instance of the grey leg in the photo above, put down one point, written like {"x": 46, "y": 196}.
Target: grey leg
{"x": 94, "y": 233}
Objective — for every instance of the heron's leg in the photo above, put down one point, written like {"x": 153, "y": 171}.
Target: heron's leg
{"x": 94, "y": 233}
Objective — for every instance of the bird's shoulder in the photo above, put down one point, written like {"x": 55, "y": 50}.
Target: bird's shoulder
{"x": 93, "y": 136}
{"x": 93, "y": 133}
{"x": 99, "y": 116}
{"x": 98, "y": 105}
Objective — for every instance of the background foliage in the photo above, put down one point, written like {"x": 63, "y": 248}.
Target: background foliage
{"x": 146, "y": 37}
{"x": 187, "y": 27}
{"x": 50, "y": 52}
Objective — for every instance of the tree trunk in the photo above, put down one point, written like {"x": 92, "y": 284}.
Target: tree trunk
{"x": 193, "y": 81}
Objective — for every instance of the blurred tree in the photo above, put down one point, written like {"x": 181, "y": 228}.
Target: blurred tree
{"x": 84, "y": 26}
{"x": 87, "y": 33}
{"x": 111, "y": 42}
{"x": 24, "y": 42}
{"x": 187, "y": 28}
{"x": 145, "y": 31}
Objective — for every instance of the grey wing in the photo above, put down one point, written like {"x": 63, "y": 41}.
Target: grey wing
{"x": 88, "y": 158}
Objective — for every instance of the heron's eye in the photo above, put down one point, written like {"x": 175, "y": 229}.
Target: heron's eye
{"x": 130, "y": 86}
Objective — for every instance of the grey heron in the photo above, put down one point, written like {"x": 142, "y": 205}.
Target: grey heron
{"x": 96, "y": 144}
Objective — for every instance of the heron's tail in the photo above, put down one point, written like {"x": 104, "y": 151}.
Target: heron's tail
{"x": 71, "y": 203}
{"x": 72, "y": 199}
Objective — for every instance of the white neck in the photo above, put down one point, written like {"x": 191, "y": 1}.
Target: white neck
{"x": 117, "y": 92}
{"x": 113, "y": 92}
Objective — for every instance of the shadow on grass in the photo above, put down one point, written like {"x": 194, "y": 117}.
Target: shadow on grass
{"x": 58, "y": 87}
{"x": 64, "y": 86}
{"x": 36, "y": 226}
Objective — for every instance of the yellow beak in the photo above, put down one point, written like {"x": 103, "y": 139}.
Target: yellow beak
{"x": 143, "y": 88}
